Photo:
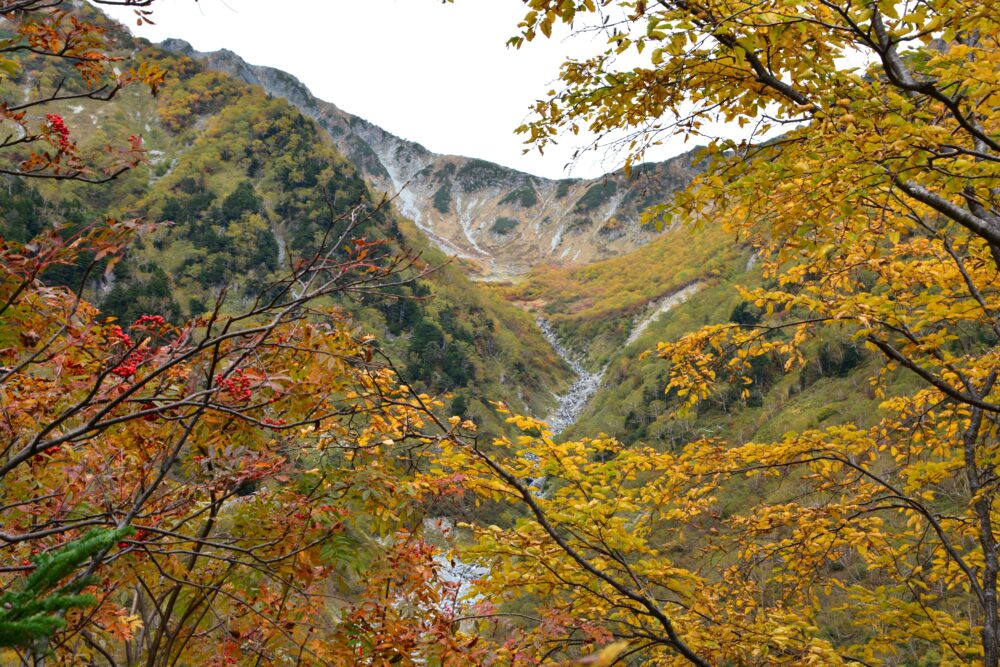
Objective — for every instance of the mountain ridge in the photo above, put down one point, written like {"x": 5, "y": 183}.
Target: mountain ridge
{"x": 499, "y": 221}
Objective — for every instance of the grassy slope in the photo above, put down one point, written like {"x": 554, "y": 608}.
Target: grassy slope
{"x": 518, "y": 366}
{"x": 594, "y": 308}
{"x": 633, "y": 406}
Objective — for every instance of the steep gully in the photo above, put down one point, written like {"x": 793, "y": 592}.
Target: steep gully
{"x": 462, "y": 575}
{"x": 572, "y": 404}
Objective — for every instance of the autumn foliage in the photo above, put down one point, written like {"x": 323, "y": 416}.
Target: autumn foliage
{"x": 250, "y": 487}
{"x": 876, "y": 218}
{"x": 81, "y": 66}
{"x": 255, "y": 455}
{"x": 230, "y": 490}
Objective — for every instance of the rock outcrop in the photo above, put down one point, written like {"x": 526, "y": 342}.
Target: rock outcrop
{"x": 500, "y": 221}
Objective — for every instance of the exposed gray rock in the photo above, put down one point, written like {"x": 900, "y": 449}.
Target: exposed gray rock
{"x": 559, "y": 221}
{"x": 572, "y": 403}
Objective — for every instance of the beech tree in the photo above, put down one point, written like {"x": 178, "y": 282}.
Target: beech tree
{"x": 875, "y": 214}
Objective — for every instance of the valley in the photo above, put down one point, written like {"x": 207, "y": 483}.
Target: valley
{"x": 279, "y": 387}
{"x": 447, "y": 209}
{"x": 526, "y": 290}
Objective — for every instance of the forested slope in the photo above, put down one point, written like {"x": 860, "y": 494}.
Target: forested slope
{"x": 792, "y": 456}
{"x": 241, "y": 183}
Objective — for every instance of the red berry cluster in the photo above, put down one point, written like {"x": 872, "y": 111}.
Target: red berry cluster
{"x": 140, "y": 535}
{"x": 115, "y": 332}
{"x": 273, "y": 422}
{"x": 237, "y": 386}
{"x": 48, "y": 450}
{"x": 128, "y": 367}
{"x": 58, "y": 125}
{"x": 226, "y": 657}
{"x": 149, "y": 320}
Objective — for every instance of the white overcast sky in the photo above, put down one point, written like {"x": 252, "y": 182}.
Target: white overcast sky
{"x": 439, "y": 74}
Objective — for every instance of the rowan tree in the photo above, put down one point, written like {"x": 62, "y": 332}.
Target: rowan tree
{"x": 235, "y": 489}
{"x": 70, "y": 59}
{"x": 256, "y": 456}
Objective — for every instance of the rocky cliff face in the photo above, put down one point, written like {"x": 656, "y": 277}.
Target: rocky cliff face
{"x": 500, "y": 221}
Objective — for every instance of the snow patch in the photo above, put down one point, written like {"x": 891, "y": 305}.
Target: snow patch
{"x": 465, "y": 221}
{"x": 661, "y": 307}
{"x": 557, "y": 239}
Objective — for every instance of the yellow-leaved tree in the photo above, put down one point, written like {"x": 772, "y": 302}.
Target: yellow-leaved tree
{"x": 875, "y": 214}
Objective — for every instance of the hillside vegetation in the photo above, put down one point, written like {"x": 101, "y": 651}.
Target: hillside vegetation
{"x": 242, "y": 185}
{"x": 254, "y": 411}
{"x": 594, "y": 307}
{"x": 499, "y": 221}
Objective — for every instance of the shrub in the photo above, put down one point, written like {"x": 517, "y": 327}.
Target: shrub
{"x": 525, "y": 197}
{"x": 442, "y": 198}
{"x": 595, "y": 196}
{"x": 504, "y": 226}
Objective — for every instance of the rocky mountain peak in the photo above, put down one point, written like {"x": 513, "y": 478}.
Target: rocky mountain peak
{"x": 498, "y": 220}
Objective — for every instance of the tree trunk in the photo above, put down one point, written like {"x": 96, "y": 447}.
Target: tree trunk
{"x": 990, "y": 634}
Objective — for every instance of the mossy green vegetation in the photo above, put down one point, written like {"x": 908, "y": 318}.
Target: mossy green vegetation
{"x": 442, "y": 197}
{"x": 563, "y": 188}
{"x": 477, "y": 174}
{"x": 524, "y": 197}
{"x": 597, "y": 195}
